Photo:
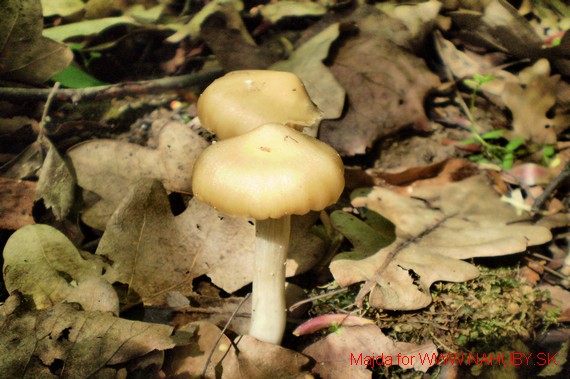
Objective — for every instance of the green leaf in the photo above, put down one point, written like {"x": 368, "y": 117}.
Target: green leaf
{"x": 514, "y": 144}
{"x": 548, "y": 151}
{"x": 493, "y": 134}
{"x": 468, "y": 141}
{"x": 470, "y": 82}
{"x": 74, "y": 77}
{"x": 508, "y": 161}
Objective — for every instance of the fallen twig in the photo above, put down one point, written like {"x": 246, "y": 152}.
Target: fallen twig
{"x": 221, "y": 334}
{"x": 113, "y": 90}
{"x": 551, "y": 188}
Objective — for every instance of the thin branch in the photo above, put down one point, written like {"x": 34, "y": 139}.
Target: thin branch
{"x": 114, "y": 90}
{"x": 551, "y": 188}
{"x": 221, "y": 335}
{"x": 318, "y": 297}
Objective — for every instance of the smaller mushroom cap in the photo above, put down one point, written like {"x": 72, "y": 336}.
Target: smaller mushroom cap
{"x": 242, "y": 100}
{"x": 269, "y": 172}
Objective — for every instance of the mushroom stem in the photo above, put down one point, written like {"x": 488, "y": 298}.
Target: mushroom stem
{"x": 268, "y": 315}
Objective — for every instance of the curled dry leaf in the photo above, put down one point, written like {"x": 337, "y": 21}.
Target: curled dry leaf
{"x": 65, "y": 342}
{"x": 436, "y": 228}
{"x": 56, "y": 185}
{"x": 41, "y": 262}
{"x": 347, "y": 352}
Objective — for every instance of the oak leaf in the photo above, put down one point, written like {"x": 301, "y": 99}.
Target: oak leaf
{"x": 435, "y": 229}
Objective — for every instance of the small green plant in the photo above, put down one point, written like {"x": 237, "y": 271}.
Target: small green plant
{"x": 493, "y": 150}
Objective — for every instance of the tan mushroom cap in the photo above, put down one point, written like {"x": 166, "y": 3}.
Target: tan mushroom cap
{"x": 269, "y": 172}
{"x": 242, "y": 100}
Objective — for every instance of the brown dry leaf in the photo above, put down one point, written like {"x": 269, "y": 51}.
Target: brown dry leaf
{"x": 16, "y": 202}
{"x": 214, "y": 310}
{"x": 188, "y": 359}
{"x": 463, "y": 65}
{"x": 307, "y": 62}
{"x": 41, "y": 262}
{"x": 499, "y": 27}
{"x": 232, "y": 50}
{"x": 344, "y": 353}
{"x": 261, "y": 360}
{"x": 419, "y": 18}
{"x": 385, "y": 84}
{"x": 531, "y": 100}
{"x": 64, "y": 342}
{"x": 154, "y": 252}
{"x": 109, "y": 167}
{"x": 436, "y": 228}
{"x": 56, "y": 184}
{"x": 147, "y": 251}
{"x": 25, "y": 55}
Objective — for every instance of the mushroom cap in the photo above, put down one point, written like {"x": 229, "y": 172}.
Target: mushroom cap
{"x": 269, "y": 172}
{"x": 242, "y": 100}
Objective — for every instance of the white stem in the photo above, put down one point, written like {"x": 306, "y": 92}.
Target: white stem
{"x": 268, "y": 315}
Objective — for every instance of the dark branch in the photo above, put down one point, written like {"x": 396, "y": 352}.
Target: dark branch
{"x": 113, "y": 90}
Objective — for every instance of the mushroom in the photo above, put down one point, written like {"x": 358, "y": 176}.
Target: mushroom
{"x": 269, "y": 174}
{"x": 242, "y": 100}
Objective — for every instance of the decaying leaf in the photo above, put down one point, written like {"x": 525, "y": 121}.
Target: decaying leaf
{"x": 347, "y": 352}
{"x": 274, "y": 12}
{"x": 110, "y": 167}
{"x": 64, "y": 342}
{"x": 62, "y": 8}
{"x": 531, "y": 100}
{"x": 147, "y": 251}
{"x": 386, "y": 86}
{"x": 192, "y": 28}
{"x": 26, "y": 56}
{"x": 436, "y": 228}
{"x": 462, "y": 65}
{"x": 418, "y": 18}
{"x": 500, "y": 27}
{"x": 16, "y": 202}
{"x": 56, "y": 185}
{"x": 41, "y": 262}
{"x": 307, "y": 62}
{"x": 189, "y": 359}
{"x": 231, "y": 48}
{"x": 154, "y": 252}
{"x": 260, "y": 360}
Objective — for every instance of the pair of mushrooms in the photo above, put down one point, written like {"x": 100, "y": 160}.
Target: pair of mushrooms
{"x": 264, "y": 168}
